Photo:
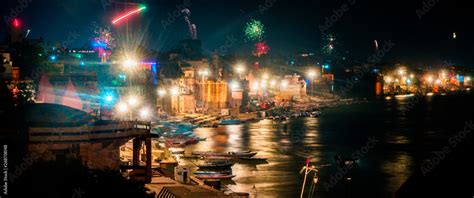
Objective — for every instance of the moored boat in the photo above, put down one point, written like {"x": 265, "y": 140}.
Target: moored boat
{"x": 215, "y": 176}
{"x": 226, "y": 172}
{"x": 229, "y": 122}
{"x": 215, "y": 165}
{"x": 228, "y": 154}
{"x": 253, "y": 158}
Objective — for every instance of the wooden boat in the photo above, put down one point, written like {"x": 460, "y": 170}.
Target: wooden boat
{"x": 253, "y": 158}
{"x": 230, "y": 154}
{"x": 215, "y": 165}
{"x": 210, "y": 152}
{"x": 226, "y": 172}
{"x": 216, "y": 158}
{"x": 215, "y": 176}
{"x": 229, "y": 122}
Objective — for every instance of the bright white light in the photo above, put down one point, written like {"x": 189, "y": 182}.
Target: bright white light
{"x": 468, "y": 78}
{"x": 401, "y": 71}
{"x": 273, "y": 83}
{"x": 311, "y": 74}
{"x": 255, "y": 85}
{"x": 234, "y": 85}
{"x": 388, "y": 79}
{"x": 240, "y": 69}
{"x": 430, "y": 79}
{"x": 265, "y": 76}
{"x": 204, "y": 72}
{"x": 145, "y": 113}
{"x": 130, "y": 63}
{"x": 284, "y": 84}
{"x": 108, "y": 98}
{"x": 122, "y": 108}
{"x": 133, "y": 101}
{"x": 174, "y": 91}
{"x": 438, "y": 81}
{"x": 161, "y": 92}
{"x": 412, "y": 75}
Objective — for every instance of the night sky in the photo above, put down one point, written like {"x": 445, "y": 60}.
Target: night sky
{"x": 291, "y": 25}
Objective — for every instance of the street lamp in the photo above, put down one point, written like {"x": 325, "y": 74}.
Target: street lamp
{"x": 284, "y": 84}
{"x": 145, "y": 113}
{"x": 130, "y": 64}
{"x": 234, "y": 85}
{"x": 161, "y": 92}
{"x": 240, "y": 69}
{"x": 174, "y": 91}
{"x": 122, "y": 107}
{"x": 272, "y": 83}
{"x": 133, "y": 101}
{"x": 430, "y": 79}
{"x": 401, "y": 71}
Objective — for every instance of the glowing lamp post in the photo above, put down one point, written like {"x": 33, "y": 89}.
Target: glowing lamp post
{"x": 145, "y": 113}
{"x": 122, "y": 108}
{"x": 240, "y": 69}
{"x": 161, "y": 92}
{"x": 130, "y": 64}
{"x": 234, "y": 86}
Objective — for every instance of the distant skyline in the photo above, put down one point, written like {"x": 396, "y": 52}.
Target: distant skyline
{"x": 291, "y": 26}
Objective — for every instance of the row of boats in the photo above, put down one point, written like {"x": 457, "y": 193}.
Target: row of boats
{"x": 218, "y": 165}
{"x": 288, "y": 115}
{"x": 176, "y": 134}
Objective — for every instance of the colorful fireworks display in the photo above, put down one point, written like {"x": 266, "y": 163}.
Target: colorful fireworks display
{"x": 254, "y": 30}
{"x": 103, "y": 38}
{"x": 261, "y": 48}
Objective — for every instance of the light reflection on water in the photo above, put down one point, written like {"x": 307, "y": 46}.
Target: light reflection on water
{"x": 340, "y": 131}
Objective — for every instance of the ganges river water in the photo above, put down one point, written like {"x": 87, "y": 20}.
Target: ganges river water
{"x": 406, "y": 130}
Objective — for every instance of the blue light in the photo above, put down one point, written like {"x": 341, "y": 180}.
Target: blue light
{"x": 99, "y": 44}
{"x": 461, "y": 78}
{"x": 122, "y": 77}
{"x": 82, "y": 63}
{"x": 326, "y": 66}
{"x": 53, "y": 58}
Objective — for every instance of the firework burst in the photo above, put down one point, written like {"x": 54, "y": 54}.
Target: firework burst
{"x": 261, "y": 48}
{"x": 329, "y": 42}
{"x": 254, "y": 30}
{"x": 103, "y": 37}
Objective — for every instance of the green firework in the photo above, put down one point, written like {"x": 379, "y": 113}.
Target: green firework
{"x": 254, "y": 30}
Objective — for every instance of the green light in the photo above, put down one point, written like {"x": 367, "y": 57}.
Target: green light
{"x": 254, "y": 30}
{"x": 78, "y": 56}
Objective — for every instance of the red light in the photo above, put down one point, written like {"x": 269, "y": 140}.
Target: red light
{"x": 16, "y": 23}
{"x": 128, "y": 14}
